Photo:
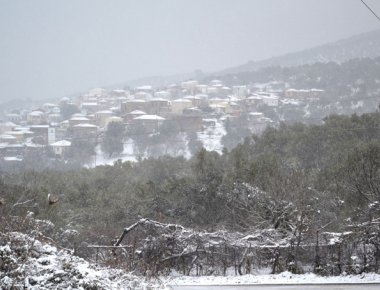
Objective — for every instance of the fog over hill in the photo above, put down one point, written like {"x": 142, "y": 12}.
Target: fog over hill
{"x": 43, "y": 55}
{"x": 365, "y": 45}
{"x": 358, "y": 46}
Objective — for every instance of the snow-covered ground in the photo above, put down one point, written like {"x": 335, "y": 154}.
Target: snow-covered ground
{"x": 283, "y": 278}
{"x": 28, "y": 263}
{"x": 126, "y": 155}
{"x": 211, "y": 137}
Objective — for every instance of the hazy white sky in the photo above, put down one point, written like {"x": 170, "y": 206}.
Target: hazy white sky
{"x": 53, "y": 48}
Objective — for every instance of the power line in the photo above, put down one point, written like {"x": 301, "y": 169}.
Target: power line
{"x": 369, "y": 8}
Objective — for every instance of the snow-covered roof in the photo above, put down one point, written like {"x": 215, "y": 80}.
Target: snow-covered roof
{"x": 86, "y": 125}
{"x": 89, "y": 104}
{"x": 48, "y": 105}
{"x": 12, "y": 158}
{"x": 192, "y": 98}
{"x": 290, "y": 102}
{"x": 149, "y": 117}
{"x": 7, "y": 137}
{"x": 39, "y": 126}
{"x": 158, "y": 100}
{"x": 62, "y": 143}
{"x": 258, "y": 114}
{"x": 104, "y": 112}
{"x": 36, "y": 113}
{"x": 114, "y": 118}
{"x": 146, "y": 87}
{"x": 317, "y": 90}
{"x": 271, "y": 97}
{"x": 137, "y": 112}
{"x": 79, "y": 119}
{"x": 34, "y": 145}
{"x": 190, "y": 82}
{"x": 21, "y": 129}
{"x": 193, "y": 109}
{"x": 295, "y": 90}
{"x": 181, "y": 101}
{"x": 136, "y": 101}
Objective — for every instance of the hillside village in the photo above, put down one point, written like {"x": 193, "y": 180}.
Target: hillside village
{"x": 52, "y": 129}
{"x": 101, "y": 126}
{"x": 186, "y": 145}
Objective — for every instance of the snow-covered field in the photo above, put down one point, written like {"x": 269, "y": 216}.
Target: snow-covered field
{"x": 283, "y": 278}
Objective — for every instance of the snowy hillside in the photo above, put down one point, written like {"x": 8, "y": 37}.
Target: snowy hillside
{"x": 27, "y": 263}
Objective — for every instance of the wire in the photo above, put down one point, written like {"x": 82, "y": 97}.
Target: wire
{"x": 369, "y": 8}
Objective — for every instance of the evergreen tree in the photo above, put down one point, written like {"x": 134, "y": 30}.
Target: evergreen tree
{"x": 112, "y": 143}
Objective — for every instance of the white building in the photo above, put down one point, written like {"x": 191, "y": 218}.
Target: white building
{"x": 36, "y": 117}
{"x": 60, "y": 147}
{"x": 240, "y": 91}
{"x": 162, "y": 95}
{"x": 271, "y": 101}
{"x": 151, "y": 123}
{"x": 179, "y": 105}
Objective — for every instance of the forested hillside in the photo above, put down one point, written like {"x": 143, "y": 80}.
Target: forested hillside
{"x": 295, "y": 180}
